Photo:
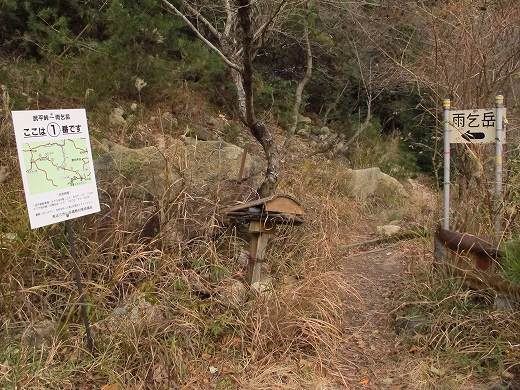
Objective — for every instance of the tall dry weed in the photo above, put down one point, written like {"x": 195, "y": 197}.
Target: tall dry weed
{"x": 172, "y": 311}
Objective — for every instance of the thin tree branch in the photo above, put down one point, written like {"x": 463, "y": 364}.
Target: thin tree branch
{"x": 301, "y": 86}
{"x": 172, "y": 9}
{"x": 258, "y": 129}
{"x": 333, "y": 106}
{"x": 259, "y": 35}
{"x": 200, "y": 17}
{"x": 244, "y": 12}
{"x": 229, "y": 18}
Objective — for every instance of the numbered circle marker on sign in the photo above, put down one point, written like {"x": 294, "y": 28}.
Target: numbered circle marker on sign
{"x": 53, "y": 129}
{"x": 56, "y": 165}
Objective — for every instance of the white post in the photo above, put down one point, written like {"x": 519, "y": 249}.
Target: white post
{"x": 499, "y": 100}
{"x": 446, "y": 194}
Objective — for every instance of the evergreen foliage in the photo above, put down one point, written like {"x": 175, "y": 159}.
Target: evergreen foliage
{"x": 103, "y": 47}
{"x": 511, "y": 263}
{"x": 100, "y": 48}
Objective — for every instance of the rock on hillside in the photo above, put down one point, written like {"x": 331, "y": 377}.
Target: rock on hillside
{"x": 212, "y": 168}
{"x": 144, "y": 172}
{"x": 197, "y": 175}
{"x": 363, "y": 183}
{"x": 201, "y": 168}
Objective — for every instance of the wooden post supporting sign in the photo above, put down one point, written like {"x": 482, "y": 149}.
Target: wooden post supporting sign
{"x": 260, "y": 236}
{"x": 261, "y": 217}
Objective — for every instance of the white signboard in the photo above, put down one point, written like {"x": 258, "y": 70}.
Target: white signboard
{"x": 472, "y": 126}
{"x": 56, "y": 165}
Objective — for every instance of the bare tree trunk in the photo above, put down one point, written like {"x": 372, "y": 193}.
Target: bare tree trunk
{"x": 241, "y": 94}
{"x": 370, "y": 98}
{"x": 257, "y": 128}
{"x": 332, "y": 107}
{"x": 299, "y": 90}
{"x": 362, "y": 127}
{"x": 225, "y": 44}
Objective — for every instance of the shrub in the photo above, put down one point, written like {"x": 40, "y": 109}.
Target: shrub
{"x": 511, "y": 262}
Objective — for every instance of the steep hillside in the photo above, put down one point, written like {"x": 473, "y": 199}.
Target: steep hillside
{"x": 191, "y": 106}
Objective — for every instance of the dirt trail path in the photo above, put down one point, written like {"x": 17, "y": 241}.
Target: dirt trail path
{"x": 373, "y": 351}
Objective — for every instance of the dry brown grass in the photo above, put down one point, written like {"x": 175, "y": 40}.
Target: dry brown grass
{"x": 161, "y": 315}
{"x": 461, "y": 340}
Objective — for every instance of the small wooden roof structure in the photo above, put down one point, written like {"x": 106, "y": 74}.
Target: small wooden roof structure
{"x": 276, "y": 209}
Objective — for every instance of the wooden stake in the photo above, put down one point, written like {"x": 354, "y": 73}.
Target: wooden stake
{"x": 259, "y": 243}
{"x": 260, "y": 236}
{"x": 242, "y": 165}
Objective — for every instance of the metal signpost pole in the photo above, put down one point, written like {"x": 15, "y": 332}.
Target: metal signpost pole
{"x": 69, "y": 232}
{"x": 499, "y": 100}
{"x": 446, "y": 193}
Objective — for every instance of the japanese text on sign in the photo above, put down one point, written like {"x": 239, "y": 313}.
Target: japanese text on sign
{"x": 472, "y": 126}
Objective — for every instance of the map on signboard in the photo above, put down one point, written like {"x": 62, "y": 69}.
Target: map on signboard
{"x": 56, "y": 165}
{"x": 472, "y": 126}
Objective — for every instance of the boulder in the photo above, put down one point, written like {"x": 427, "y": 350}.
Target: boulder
{"x": 209, "y": 128}
{"x": 144, "y": 172}
{"x": 232, "y": 293}
{"x": 304, "y": 120}
{"x": 321, "y": 131}
{"x": 137, "y": 313}
{"x": 388, "y": 230}
{"x": 263, "y": 286}
{"x": 4, "y": 174}
{"x": 201, "y": 134}
{"x": 134, "y": 185}
{"x": 363, "y": 183}
{"x": 141, "y": 186}
{"x": 211, "y": 167}
{"x": 116, "y": 117}
{"x": 215, "y": 123}
{"x": 202, "y": 168}
{"x": 303, "y": 132}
